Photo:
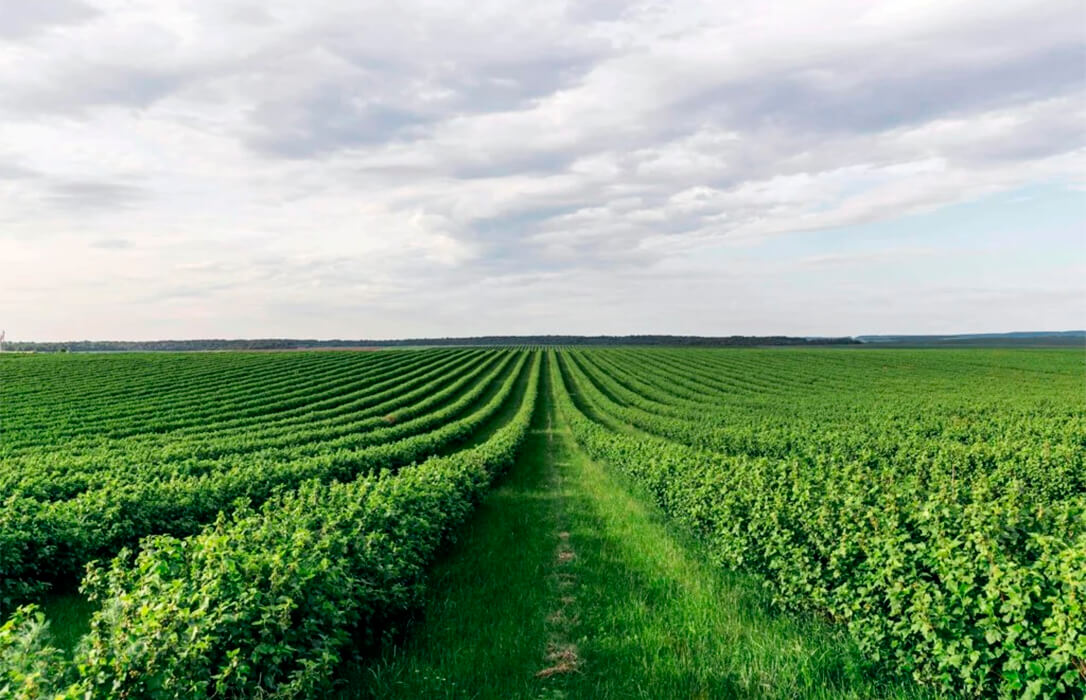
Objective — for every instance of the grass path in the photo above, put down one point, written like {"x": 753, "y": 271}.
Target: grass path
{"x": 566, "y": 584}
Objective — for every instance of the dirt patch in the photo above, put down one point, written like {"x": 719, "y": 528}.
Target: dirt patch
{"x": 556, "y": 618}
{"x": 562, "y": 656}
{"x": 556, "y": 670}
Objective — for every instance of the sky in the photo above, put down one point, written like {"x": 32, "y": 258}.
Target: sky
{"x": 321, "y": 169}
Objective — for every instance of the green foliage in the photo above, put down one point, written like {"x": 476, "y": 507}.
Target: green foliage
{"x": 28, "y": 664}
{"x": 265, "y": 602}
{"x": 45, "y": 541}
{"x": 270, "y": 512}
{"x": 969, "y": 575}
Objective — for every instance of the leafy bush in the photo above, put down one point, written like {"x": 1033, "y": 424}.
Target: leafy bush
{"x": 974, "y": 586}
{"x": 265, "y": 602}
{"x": 45, "y": 542}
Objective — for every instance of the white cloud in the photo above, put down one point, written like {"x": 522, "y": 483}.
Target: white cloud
{"x": 403, "y": 166}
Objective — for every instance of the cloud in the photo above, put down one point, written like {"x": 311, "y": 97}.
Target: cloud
{"x": 13, "y": 171}
{"x": 80, "y": 194}
{"x": 871, "y": 257}
{"x": 424, "y": 159}
{"x": 22, "y": 19}
{"x": 112, "y": 244}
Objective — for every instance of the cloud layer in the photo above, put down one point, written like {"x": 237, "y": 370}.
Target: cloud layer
{"x": 237, "y": 169}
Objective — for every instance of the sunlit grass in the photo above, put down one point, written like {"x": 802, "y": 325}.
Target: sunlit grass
{"x": 647, "y": 614}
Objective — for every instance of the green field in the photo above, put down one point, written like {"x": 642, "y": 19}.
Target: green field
{"x": 541, "y": 523}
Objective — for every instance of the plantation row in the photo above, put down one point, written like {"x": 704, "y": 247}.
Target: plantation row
{"x": 269, "y": 599}
{"x": 246, "y": 522}
{"x": 83, "y": 402}
{"x": 946, "y": 529}
{"x": 51, "y": 476}
{"x": 908, "y": 432}
{"x": 62, "y": 511}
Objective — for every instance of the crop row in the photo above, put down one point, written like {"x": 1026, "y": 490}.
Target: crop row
{"x": 266, "y": 601}
{"x": 54, "y": 476}
{"x": 1046, "y": 453}
{"x": 74, "y": 400}
{"x": 213, "y": 401}
{"x": 44, "y": 542}
{"x": 976, "y": 590}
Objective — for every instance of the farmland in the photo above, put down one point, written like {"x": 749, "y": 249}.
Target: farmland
{"x": 521, "y": 522}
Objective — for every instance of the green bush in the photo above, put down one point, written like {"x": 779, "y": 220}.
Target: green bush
{"x": 266, "y": 602}
{"x": 975, "y": 587}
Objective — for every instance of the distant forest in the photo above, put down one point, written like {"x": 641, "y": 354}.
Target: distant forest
{"x": 1026, "y": 339}
{"x": 1018, "y": 339}
{"x": 495, "y": 340}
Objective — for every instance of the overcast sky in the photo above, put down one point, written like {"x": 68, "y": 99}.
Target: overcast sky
{"x": 213, "y": 168}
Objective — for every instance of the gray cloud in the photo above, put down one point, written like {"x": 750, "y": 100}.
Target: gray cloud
{"x": 413, "y": 161}
{"x": 99, "y": 85}
{"x": 893, "y": 92}
{"x": 112, "y": 244}
{"x": 351, "y": 96}
{"x": 327, "y": 121}
{"x": 90, "y": 194}
{"x": 13, "y": 171}
{"x": 22, "y": 19}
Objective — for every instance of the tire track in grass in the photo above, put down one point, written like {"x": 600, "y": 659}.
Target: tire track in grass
{"x": 569, "y": 584}
{"x": 562, "y": 654}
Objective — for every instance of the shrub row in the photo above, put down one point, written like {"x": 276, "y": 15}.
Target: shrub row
{"x": 200, "y": 405}
{"x": 1045, "y": 452}
{"x": 981, "y": 596}
{"x": 264, "y": 603}
{"x": 52, "y": 476}
{"x": 159, "y": 393}
{"x": 41, "y": 543}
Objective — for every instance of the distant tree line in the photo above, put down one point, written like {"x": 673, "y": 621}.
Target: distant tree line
{"x": 495, "y": 340}
{"x": 1028, "y": 339}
